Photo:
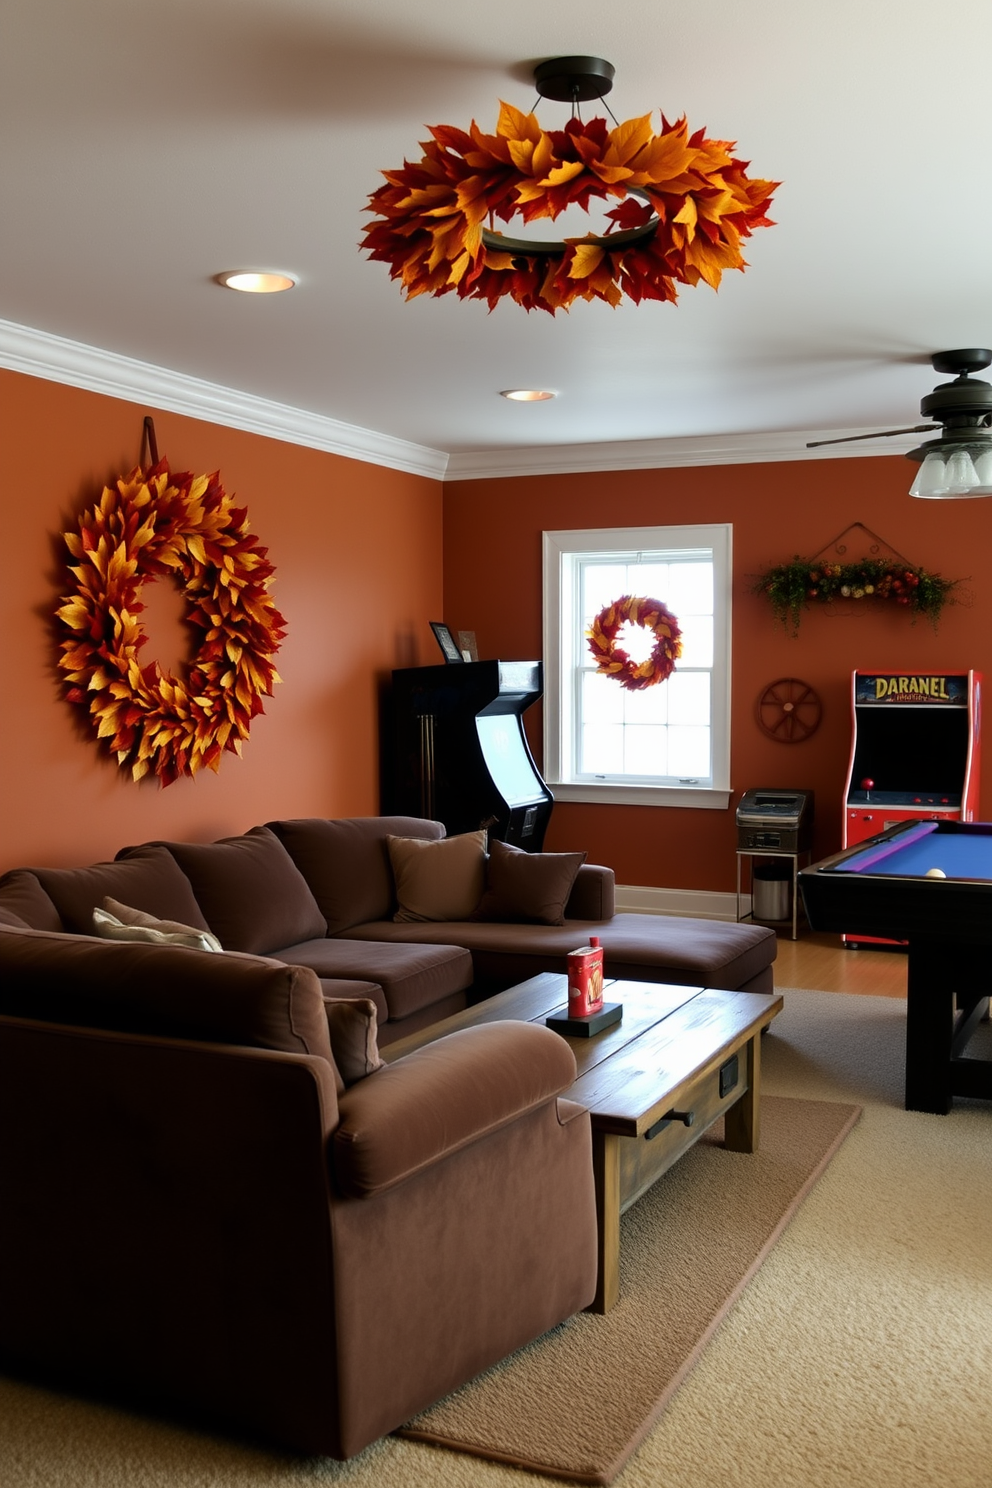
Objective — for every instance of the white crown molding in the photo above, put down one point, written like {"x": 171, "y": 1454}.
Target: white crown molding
{"x": 56, "y": 359}
{"x": 660, "y": 454}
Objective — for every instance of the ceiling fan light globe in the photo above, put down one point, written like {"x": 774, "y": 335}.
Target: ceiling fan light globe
{"x": 960, "y": 474}
{"x": 983, "y": 469}
{"x": 930, "y": 482}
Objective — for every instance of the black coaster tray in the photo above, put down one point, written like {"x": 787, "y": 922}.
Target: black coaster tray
{"x": 609, "y": 1013}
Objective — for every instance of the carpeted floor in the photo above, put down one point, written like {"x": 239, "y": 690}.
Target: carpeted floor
{"x": 577, "y": 1402}
{"x": 860, "y": 1354}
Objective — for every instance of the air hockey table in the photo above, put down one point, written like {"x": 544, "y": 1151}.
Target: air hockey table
{"x": 928, "y": 884}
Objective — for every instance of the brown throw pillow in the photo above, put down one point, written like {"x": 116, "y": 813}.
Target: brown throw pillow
{"x": 527, "y": 887}
{"x": 352, "y": 1026}
{"x": 253, "y": 896}
{"x": 438, "y": 880}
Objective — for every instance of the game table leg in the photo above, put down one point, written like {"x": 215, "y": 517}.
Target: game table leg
{"x": 930, "y": 987}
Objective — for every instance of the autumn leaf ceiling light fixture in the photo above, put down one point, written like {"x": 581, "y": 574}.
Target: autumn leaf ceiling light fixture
{"x": 685, "y": 205}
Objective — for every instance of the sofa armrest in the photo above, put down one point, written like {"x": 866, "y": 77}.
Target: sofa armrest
{"x": 593, "y": 894}
{"x": 412, "y": 1114}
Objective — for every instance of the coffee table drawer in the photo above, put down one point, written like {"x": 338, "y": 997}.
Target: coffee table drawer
{"x": 644, "y": 1159}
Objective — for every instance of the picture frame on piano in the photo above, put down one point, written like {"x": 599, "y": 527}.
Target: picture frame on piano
{"x": 447, "y": 642}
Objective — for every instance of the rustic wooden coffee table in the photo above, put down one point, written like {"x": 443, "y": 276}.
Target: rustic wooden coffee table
{"x": 653, "y": 1083}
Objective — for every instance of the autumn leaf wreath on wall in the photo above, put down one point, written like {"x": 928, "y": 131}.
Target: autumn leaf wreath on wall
{"x": 149, "y": 525}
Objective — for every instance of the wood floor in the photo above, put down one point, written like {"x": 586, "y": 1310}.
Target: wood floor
{"x": 821, "y": 964}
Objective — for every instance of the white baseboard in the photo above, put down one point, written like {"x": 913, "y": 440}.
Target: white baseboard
{"x": 700, "y": 904}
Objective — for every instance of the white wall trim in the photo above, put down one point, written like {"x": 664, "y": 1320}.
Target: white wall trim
{"x": 700, "y": 904}
{"x": 675, "y": 796}
{"x": 662, "y": 454}
{"x": 56, "y": 359}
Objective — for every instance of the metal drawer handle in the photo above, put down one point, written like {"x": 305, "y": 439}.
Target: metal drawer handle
{"x": 687, "y": 1118}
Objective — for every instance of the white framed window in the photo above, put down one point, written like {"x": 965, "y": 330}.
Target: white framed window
{"x": 668, "y": 745}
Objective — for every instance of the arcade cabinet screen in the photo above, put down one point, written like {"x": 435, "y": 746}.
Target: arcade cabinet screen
{"x": 921, "y": 750}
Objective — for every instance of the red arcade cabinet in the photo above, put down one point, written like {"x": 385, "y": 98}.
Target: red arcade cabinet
{"x": 914, "y": 751}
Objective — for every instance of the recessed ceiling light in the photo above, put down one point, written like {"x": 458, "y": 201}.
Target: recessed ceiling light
{"x": 528, "y": 395}
{"x": 255, "y": 281}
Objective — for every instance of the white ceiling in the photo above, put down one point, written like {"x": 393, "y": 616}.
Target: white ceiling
{"x": 150, "y": 144}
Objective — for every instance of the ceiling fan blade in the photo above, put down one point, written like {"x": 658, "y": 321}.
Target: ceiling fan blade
{"x": 882, "y": 434}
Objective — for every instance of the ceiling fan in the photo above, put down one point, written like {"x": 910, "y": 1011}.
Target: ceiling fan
{"x": 959, "y": 462}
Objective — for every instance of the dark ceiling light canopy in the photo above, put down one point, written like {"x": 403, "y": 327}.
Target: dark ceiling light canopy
{"x": 959, "y": 462}
{"x": 574, "y": 79}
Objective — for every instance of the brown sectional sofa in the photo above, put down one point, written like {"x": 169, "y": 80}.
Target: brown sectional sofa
{"x": 202, "y": 1216}
{"x": 319, "y": 893}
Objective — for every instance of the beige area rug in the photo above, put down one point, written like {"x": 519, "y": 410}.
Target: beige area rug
{"x": 578, "y": 1402}
{"x": 859, "y": 1356}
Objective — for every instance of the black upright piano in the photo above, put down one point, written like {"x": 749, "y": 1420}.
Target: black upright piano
{"x": 460, "y": 755}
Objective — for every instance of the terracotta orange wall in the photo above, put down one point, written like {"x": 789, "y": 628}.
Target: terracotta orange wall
{"x": 357, "y": 551}
{"x": 492, "y": 579}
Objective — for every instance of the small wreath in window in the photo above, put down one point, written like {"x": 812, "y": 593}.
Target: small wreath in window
{"x": 152, "y": 525}
{"x": 614, "y": 662}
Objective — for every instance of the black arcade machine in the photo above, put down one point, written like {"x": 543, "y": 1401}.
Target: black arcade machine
{"x": 460, "y": 753}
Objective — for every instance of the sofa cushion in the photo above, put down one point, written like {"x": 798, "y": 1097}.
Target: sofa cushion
{"x": 115, "y": 921}
{"x": 23, "y": 901}
{"x": 252, "y": 893}
{"x": 441, "y": 880}
{"x": 346, "y": 862}
{"x": 527, "y": 888}
{"x": 352, "y": 1024}
{"x": 412, "y": 977}
{"x": 164, "y": 990}
{"x": 147, "y": 878}
{"x": 642, "y": 947}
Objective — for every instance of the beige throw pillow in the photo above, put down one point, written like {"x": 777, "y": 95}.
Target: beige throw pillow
{"x": 115, "y": 921}
{"x": 353, "y": 1027}
{"x": 438, "y": 880}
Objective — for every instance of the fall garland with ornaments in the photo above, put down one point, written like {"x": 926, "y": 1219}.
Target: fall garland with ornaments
{"x": 158, "y": 525}
{"x": 793, "y": 587}
{"x": 686, "y": 204}
{"x": 613, "y": 661}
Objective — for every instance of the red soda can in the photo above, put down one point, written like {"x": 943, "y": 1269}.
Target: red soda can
{"x": 585, "y": 979}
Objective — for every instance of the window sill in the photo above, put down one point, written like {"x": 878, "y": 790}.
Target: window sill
{"x": 692, "y": 797}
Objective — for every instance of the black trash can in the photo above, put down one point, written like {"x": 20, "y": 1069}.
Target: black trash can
{"x": 771, "y": 890}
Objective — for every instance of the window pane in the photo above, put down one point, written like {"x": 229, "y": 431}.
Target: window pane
{"x": 646, "y": 751}
{"x": 602, "y": 583}
{"x": 602, "y": 749}
{"x": 602, "y": 699}
{"x": 689, "y": 698}
{"x": 689, "y": 751}
{"x": 651, "y": 580}
{"x": 690, "y": 589}
{"x": 649, "y": 706}
{"x": 697, "y": 640}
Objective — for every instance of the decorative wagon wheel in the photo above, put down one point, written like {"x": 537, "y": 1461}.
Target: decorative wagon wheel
{"x": 788, "y": 710}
